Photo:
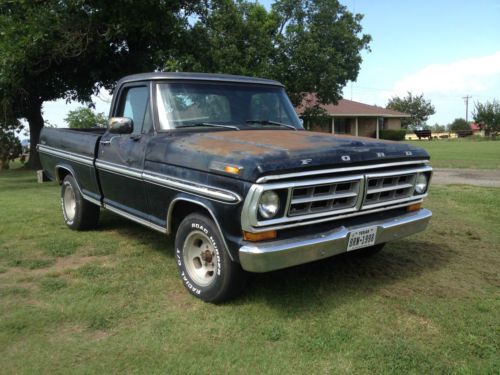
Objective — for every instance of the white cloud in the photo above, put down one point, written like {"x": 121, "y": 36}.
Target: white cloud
{"x": 473, "y": 75}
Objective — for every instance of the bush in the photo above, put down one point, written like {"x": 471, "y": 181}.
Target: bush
{"x": 393, "y": 134}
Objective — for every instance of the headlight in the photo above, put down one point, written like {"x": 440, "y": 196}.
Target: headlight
{"x": 269, "y": 204}
{"x": 421, "y": 184}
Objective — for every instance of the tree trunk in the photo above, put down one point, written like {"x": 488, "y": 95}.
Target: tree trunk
{"x": 35, "y": 120}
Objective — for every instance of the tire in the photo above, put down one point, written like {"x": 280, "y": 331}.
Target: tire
{"x": 368, "y": 251}
{"x": 78, "y": 213}
{"x": 204, "y": 265}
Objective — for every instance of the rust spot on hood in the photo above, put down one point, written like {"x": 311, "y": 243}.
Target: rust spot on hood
{"x": 254, "y": 142}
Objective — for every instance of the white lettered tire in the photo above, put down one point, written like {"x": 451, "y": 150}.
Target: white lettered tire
{"x": 78, "y": 213}
{"x": 204, "y": 265}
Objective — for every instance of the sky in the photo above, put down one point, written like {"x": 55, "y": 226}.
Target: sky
{"x": 443, "y": 49}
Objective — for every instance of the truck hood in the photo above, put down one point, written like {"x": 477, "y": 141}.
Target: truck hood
{"x": 264, "y": 152}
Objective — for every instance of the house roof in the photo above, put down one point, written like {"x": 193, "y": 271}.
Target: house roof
{"x": 346, "y": 107}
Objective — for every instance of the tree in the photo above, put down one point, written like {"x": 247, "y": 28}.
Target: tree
{"x": 85, "y": 118}
{"x": 416, "y": 106}
{"x": 51, "y": 49}
{"x": 436, "y": 128}
{"x": 459, "y": 124}
{"x": 309, "y": 46}
{"x": 10, "y": 146}
{"x": 487, "y": 116}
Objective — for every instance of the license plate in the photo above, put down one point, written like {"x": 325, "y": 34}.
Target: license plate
{"x": 362, "y": 238}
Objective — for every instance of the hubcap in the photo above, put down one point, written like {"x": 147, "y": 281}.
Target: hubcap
{"x": 69, "y": 202}
{"x": 199, "y": 258}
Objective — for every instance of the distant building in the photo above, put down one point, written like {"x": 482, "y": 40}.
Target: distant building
{"x": 350, "y": 117}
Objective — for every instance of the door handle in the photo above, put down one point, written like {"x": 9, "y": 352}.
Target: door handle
{"x": 135, "y": 137}
{"x": 105, "y": 142}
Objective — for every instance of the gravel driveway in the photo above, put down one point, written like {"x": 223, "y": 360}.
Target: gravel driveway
{"x": 478, "y": 177}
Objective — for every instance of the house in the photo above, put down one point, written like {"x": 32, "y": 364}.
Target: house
{"x": 350, "y": 117}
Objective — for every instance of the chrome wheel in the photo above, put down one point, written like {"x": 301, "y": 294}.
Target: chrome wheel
{"x": 200, "y": 258}
{"x": 69, "y": 203}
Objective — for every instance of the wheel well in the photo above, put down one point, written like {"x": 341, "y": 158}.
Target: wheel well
{"x": 61, "y": 174}
{"x": 181, "y": 210}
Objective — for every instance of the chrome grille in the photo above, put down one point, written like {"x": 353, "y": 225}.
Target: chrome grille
{"x": 326, "y": 197}
{"x": 387, "y": 187}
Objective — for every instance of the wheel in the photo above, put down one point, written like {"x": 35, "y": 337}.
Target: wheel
{"x": 204, "y": 265}
{"x": 368, "y": 251}
{"x": 78, "y": 213}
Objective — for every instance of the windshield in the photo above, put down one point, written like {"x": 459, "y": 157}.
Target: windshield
{"x": 236, "y": 106}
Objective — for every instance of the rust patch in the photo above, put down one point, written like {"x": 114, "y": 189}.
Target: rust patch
{"x": 254, "y": 142}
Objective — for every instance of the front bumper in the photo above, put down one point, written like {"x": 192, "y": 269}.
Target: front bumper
{"x": 274, "y": 255}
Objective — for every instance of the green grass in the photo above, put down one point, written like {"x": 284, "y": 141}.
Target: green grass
{"x": 110, "y": 301}
{"x": 462, "y": 153}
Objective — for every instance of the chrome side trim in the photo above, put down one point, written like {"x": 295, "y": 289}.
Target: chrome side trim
{"x": 273, "y": 255}
{"x": 203, "y": 205}
{"x": 135, "y": 218}
{"x": 191, "y": 187}
{"x": 338, "y": 170}
{"x": 118, "y": 169}
{"x": 91, "y": 200}
{"x": 85, "y": 160}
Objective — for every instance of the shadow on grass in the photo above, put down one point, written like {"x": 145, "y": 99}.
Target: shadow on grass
{"x": 306, "y": 287}
{"x": 346, "y": 277}
{"x": 157, "y": 241}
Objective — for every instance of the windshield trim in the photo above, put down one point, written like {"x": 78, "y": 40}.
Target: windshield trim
{"x": 159, "y": 107}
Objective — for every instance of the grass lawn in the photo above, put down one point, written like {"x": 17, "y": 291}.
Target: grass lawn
{"x": 462, "y": 153}
{"x": 110, "y": 301}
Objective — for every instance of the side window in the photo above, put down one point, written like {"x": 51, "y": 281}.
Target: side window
{"x": 134, "y": 104}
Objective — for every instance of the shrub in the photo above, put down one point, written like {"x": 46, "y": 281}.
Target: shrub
{"x": 393, "y": 134}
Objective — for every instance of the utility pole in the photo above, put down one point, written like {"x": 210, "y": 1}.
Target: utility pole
{"x": 466, "y": 99}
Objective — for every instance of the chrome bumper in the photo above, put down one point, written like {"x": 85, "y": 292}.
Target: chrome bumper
{"x": 273, "y": 255}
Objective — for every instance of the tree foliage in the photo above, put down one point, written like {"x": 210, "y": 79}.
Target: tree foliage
{"x": 10, "y": 146}
{"x": 309, "y": 46}
{"x": 416, "y": 106}
{"x": 52, "y": 49}
{"x": 459, "y": 124}
{"x": 487, "y": 116}
{"x": 84, "y": 117}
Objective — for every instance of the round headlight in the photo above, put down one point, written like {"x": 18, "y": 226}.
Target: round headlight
{"x": 269, "y": 204}
{"x": 421, "y": 184}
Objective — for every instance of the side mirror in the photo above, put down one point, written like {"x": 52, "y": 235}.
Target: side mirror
{"x": 120, "y": 125}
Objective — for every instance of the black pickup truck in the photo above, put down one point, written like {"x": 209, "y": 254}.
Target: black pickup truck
{"x": 222, "y": 162}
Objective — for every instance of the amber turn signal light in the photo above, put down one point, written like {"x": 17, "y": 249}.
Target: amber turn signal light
{"x": 414, "y": 207}
{"x": 254, "y": 237}
{"x": 231, "y": 169}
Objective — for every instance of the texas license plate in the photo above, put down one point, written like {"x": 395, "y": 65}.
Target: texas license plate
{"x": 362, "y": 238}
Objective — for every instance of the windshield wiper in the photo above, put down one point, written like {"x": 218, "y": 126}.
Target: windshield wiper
{"x": 208, "y": 124}
{"x": 269, "y": 122}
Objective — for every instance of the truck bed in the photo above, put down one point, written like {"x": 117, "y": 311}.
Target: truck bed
{"x": 72, "y": 150}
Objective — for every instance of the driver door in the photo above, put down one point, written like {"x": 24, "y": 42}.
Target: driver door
{"x": 120, "y": 160}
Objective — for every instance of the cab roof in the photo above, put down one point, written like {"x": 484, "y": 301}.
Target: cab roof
{"x": 197, "y": 77}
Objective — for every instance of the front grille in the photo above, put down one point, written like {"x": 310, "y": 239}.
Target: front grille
{"x": 387, "y": 187}
{"x": 324, "y": 197}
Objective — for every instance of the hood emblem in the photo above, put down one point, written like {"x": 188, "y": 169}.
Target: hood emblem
{"x": 380, "y": 154}
{"x": 305, "y": 161}
{"x": 345, "y": 157}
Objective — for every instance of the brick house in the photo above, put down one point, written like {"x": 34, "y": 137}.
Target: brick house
{"x": 352, "y": 118}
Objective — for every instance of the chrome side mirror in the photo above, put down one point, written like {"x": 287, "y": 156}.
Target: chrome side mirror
{"x": 120, "y": 125}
